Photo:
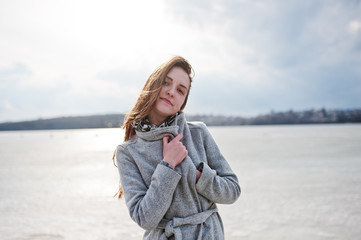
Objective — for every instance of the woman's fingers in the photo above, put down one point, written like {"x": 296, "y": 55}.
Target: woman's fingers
{"x": 165, "y": 140}
{"x": 174, "y": 152}
{"x": 178, "y": 138}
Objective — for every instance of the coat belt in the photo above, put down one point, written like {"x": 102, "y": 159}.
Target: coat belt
{"x": 171, "y": 227}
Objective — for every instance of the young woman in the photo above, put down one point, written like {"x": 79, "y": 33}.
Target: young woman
{"x": 171, "y": 171}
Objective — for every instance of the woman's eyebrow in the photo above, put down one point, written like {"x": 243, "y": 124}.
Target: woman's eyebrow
{"x": 183, "y": 86}
{"x": 179, "y": 84}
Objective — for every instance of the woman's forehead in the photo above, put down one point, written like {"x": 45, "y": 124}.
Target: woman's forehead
{"x": 180, "y": 76}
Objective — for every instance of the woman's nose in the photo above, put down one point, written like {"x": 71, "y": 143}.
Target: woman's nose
{"x": 170, "y": 91}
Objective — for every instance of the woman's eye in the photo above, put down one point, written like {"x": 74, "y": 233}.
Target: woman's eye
{"x": 180, "y": 91}
{"x": 165, "y": 83}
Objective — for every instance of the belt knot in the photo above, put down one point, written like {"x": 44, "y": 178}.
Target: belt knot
{"x": 172, "y": 227}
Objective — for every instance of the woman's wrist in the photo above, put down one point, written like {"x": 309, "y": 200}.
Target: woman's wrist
{"x": 172, "y": 165}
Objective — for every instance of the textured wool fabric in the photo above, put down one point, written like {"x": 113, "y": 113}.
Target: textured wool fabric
{"x": 169, "y": 203}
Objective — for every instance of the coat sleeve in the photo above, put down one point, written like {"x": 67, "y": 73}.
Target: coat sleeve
{"x": 218, "y": 183}
{"x": 147, "y": 206}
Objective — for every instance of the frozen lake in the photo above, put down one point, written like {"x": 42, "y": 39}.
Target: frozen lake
{"x": 298, "y": 182}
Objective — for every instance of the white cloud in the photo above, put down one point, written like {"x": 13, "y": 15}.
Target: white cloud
{"x": 8, "y": 106}
{"x": 288, "y": 54}
{"x": 354, "y": 27}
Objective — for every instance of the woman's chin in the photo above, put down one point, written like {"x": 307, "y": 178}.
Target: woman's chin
{"x": 166, "y": 111}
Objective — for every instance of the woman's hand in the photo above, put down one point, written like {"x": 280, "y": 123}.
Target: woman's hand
{"x": 174, "y": 152}
{"x": 198, "y": 175}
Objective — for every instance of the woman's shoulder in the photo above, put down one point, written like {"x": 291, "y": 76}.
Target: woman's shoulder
{"x": 125, "y": 144}
{"x": 123, "y": 151}
{"x": 197, "y": 125}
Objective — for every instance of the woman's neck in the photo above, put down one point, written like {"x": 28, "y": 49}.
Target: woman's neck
{"x": 156, "y": 119}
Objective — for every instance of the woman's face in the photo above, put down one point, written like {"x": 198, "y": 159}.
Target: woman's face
{"x": 172, "y": 95}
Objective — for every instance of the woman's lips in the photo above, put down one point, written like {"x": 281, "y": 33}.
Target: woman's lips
{"x": 167, "y": 101}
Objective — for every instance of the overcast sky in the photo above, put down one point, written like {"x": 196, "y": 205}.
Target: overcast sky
{"x": 63, "y": 58}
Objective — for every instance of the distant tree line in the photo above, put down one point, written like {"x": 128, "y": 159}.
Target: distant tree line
{"x": 289, "y": 117}
{"x": 116, "y": 120}
{"x": 95, "y": 121}
{"x": 309, "y": 117}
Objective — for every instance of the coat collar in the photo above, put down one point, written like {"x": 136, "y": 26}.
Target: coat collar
{"x": 158, "y": 134}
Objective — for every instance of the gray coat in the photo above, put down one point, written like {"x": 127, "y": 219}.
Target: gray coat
{"x": 169, "y": 203}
